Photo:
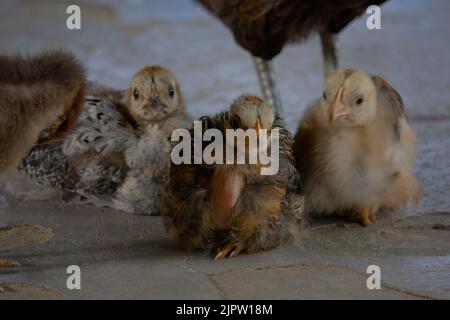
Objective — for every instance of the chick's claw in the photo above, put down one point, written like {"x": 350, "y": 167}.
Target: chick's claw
{"x": 363, "y": 216}
{"x": 230, "y": 251}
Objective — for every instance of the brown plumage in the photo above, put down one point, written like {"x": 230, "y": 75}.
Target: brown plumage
{"x": 356, "y": 149}
{"x": 263, "y": 27}
{"x": 41, "y": 98}
{"x": 228, "y": 209}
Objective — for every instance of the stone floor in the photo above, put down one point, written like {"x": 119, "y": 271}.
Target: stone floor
{"x": 126, "y": 256}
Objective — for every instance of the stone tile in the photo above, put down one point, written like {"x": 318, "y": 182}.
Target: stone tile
{"x": 301, "y": 282}
{"x": 27, "y": 291}
{"x": 424, "y": 235}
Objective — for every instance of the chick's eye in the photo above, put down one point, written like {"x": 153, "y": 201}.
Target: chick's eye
{"x": 359, "y": 101}
{"x": 135, "y": 94}
{"x": 171, "y": 92}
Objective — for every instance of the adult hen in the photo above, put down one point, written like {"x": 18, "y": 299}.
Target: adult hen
{"x": 264, "y": 27}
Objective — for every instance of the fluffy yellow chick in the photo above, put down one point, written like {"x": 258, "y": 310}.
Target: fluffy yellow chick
{"x": 356, "y": 149}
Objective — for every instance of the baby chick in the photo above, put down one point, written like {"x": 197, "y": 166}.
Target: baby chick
{"x": 118, "y": 155}
{"x": 356, "y": 149}
{"x": 41, "y": 98}
{"x": 230, "y": 209}
{"x": 154, "y": 96}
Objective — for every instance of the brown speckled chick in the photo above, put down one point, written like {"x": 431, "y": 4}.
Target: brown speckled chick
{"x": 228, "y": 209}
{"x": 356, "y": 149}
{"x": 118, "y": 154}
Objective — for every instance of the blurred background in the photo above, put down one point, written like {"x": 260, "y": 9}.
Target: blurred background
{"x": 412, "y": 52}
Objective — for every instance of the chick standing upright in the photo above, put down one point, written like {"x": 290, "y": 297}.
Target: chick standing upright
{"x": 356, "y": 149}
{"x": 118, "y": 154}
{"x": 228, "y": 209}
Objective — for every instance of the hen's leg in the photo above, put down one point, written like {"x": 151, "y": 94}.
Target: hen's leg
{"x": 329, "y": 52}
{"x": 268, "y": 84}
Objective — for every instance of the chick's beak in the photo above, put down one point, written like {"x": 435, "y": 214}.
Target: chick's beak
{"x": 257, "y": 125}
{"x": 154, "y": 102}
{"x": 338, "y": 108}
